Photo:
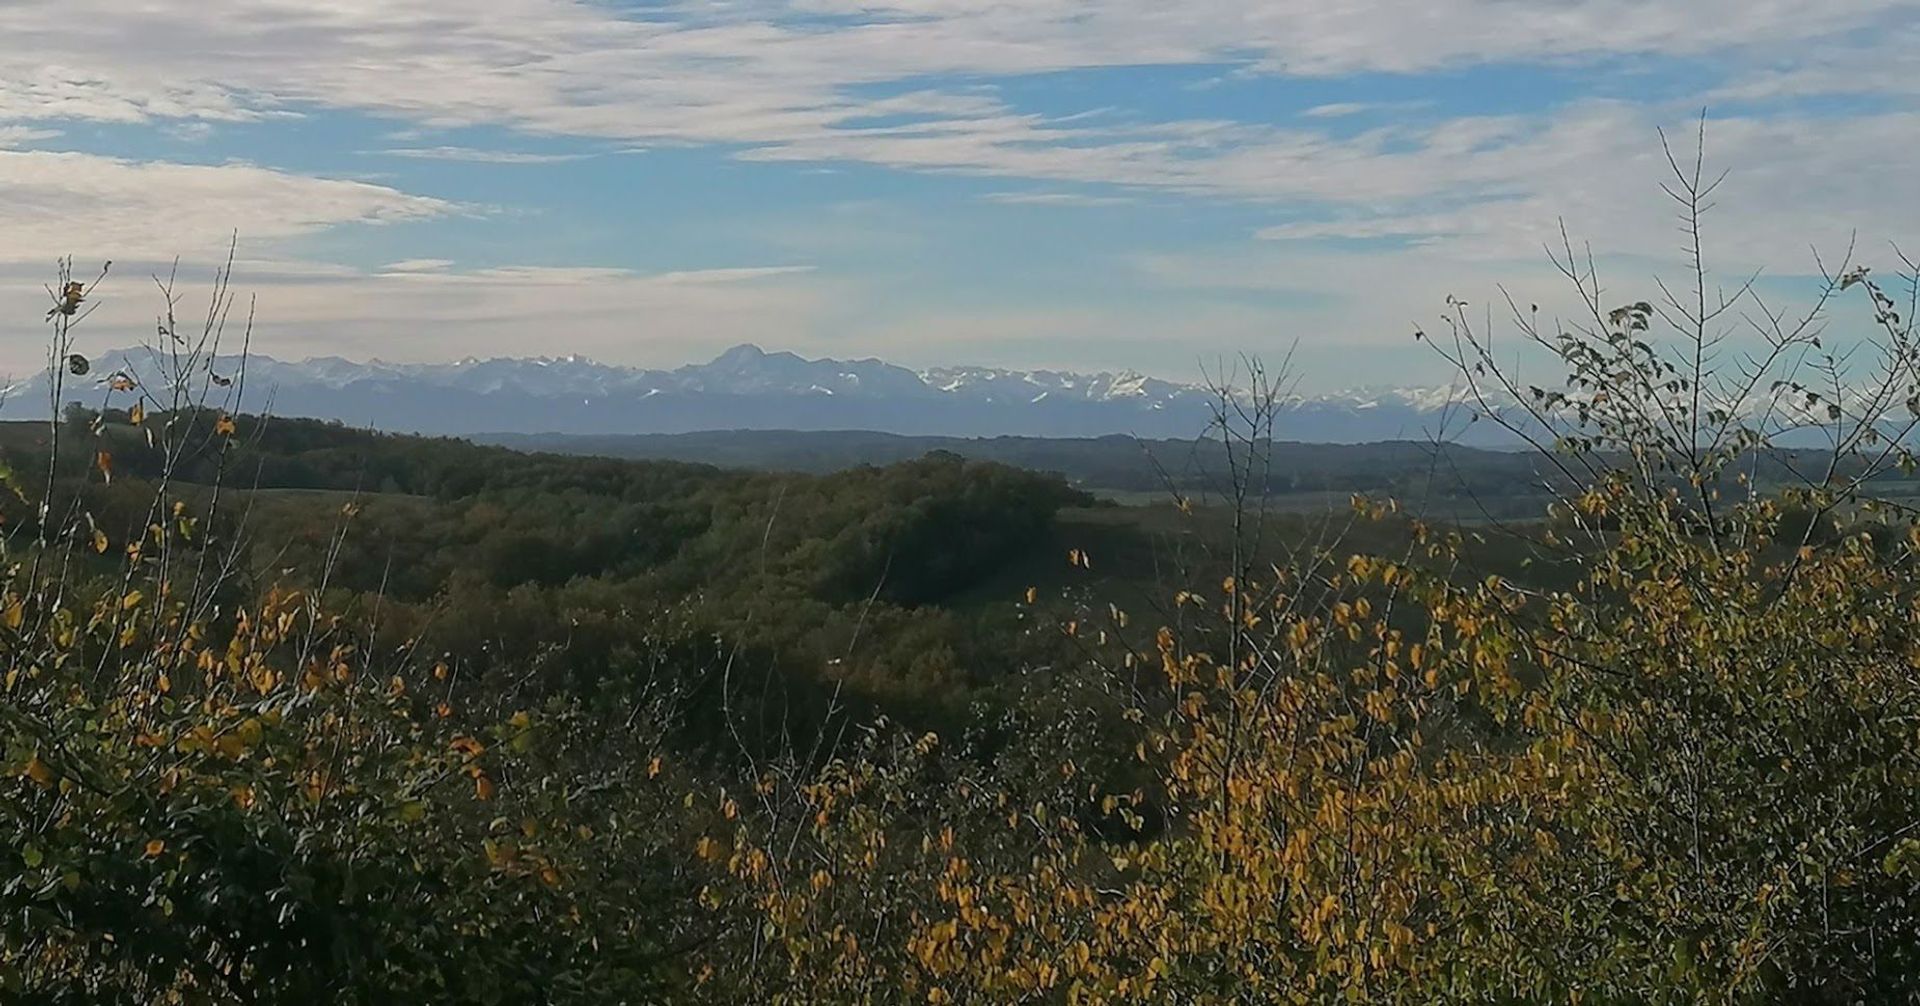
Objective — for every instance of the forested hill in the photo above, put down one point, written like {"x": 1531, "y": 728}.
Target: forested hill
{"x": 1113, "y": 463}
{"x": 570, "y": 566}
{"x": 1445, "y": 481}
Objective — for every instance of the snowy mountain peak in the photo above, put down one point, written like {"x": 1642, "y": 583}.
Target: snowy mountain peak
{"x": 750, "y": 387}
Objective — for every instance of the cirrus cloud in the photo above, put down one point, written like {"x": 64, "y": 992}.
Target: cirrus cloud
{"x": 105, "y": 207}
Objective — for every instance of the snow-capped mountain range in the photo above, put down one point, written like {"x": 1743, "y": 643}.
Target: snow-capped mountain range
{"x": 749, "y": 388}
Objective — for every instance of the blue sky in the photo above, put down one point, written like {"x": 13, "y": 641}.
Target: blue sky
{"x": 1096, "y": 185}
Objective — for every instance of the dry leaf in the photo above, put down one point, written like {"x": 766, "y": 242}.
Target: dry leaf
{"x": 39, "y": 771}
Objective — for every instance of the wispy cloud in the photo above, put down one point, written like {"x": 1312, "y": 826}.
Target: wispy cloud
{"x": 418, "y": 265}
{"x": 106, "y": 207}
{"x": 1053, "y": 199}
{"x": 19, "y": 136}
{"x": 1343, "y": 109}
{"x": 1795, "y": 180}
{"x": 771, "y": 76}
{"x": 611, "y": 314}
{"x": 744, "y": 274}
{"x": 191, "y": 132}
{"x": 477, "y": 156}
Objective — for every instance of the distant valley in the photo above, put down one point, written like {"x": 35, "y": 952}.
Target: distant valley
{"x": 1125, "y": 468}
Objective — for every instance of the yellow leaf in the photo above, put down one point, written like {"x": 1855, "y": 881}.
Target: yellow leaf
{"x": 104, "y": 462}
{"x": 482, "y": 787}
{"x": 13, "y": 616}
{"x": 155, "y": 848}
{"x": 131, "y": 601}
{"x": 231, "y": 745}
{"x": 224, "y": 427}
{"x": 100, "y": 541}
{"x": 39, "y": 771}
{"x": 137, "y": 414}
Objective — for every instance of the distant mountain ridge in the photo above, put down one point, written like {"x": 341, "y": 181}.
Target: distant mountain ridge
{"x": 747, "y": 387}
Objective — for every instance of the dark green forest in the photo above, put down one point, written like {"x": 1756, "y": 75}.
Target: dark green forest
{"x": 870, "y": 582}
{"x": 1119, "y": 463}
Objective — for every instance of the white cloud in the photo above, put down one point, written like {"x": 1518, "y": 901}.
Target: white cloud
{"x": 103, "y": 207}
{"x": 1793, "y": 182}
{"x": 418, "y": 265}
{"x": 20, "y": 136}
{"x": 1883, "y": 64}
{"x": 761, "y": 75}
{"x": 754, "y": 74}
{"x": 1337, "y": 109}
{"x": 1053, "y": 199}
{"x": 1342, "y": 109}
{"x": 473, "y": 155}
{"x": 733, "y": 275}
{"x": 427, "y": 314}
{"x": 191, "y": 131}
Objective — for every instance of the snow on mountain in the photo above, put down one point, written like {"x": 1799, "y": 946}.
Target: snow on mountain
{"x": 750, "y": 388}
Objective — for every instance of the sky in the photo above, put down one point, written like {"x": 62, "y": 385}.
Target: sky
{"x": 1101, "y": 185}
